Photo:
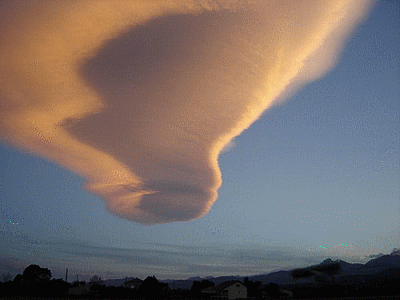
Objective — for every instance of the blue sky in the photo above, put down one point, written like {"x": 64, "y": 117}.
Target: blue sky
{"x": 320, "y": 170}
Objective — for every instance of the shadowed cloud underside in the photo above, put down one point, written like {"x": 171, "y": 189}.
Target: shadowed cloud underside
{"x": 140, "y": 98}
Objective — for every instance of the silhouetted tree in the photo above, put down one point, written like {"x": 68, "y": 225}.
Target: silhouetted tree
{"x": 95, "y": 280}
{"x": 272, "y": 290}
{"x": 197, "y": 286}
{"x": 96, "y": 285}
{"x": 32, "y": 282}
{"x": 78, "y": 283}
{"x": 253, "y": 288}
{"x": 151, "y": 288}
{"x": 6, "y": 285}
{"x": 33, "y": 274}
{"x": 17, "y": 279}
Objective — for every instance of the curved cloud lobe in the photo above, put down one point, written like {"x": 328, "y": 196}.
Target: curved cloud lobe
{"x": 140, "y": 97}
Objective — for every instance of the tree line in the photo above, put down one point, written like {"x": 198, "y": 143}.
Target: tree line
{"x": 36, "y": 281}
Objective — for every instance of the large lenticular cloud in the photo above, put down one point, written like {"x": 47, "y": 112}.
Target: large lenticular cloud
{"x": 140, "y": 97}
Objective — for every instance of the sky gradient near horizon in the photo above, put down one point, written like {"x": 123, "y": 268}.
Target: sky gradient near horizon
{"x": 315, "y": 176}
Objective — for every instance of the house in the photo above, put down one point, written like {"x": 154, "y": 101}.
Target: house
{"x": 227, "y": 290}
{"x": 134, "y": 283}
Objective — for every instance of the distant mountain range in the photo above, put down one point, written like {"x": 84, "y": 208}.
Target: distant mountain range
{"x": 381, "y": 267}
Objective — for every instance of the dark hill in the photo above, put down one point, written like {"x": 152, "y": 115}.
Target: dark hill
{"x": 377, "y": 268}
{"x": 382, "y": 263}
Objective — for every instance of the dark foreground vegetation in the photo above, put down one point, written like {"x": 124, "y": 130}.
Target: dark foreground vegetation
{"x": 37, "y": 282}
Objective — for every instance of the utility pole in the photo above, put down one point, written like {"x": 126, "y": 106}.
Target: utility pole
{"x": 66, "y": 275}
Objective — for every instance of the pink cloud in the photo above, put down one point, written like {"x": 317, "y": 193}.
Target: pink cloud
{"x": 140, "y": 98}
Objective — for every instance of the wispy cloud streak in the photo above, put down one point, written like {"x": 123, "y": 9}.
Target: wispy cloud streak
{"x": 140, "y": 97}
{"x": 142, "y": 260}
